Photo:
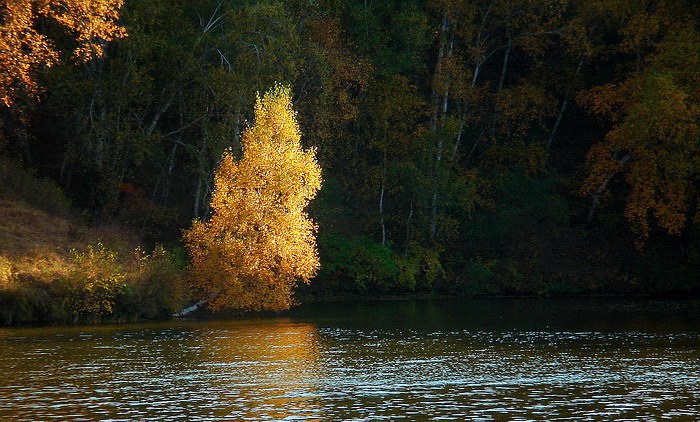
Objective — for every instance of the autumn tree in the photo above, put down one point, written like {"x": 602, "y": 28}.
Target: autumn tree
{"x": 653, "y": 140}
{"x": 24, "y": 50}
{"x": 259, "y": 242}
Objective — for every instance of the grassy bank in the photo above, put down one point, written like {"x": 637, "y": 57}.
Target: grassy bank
{"x": 55, "y": 268}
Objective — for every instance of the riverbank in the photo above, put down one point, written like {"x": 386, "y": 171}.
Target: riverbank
{"x": 437, "y": 296}
{"x": 56, "y": 268}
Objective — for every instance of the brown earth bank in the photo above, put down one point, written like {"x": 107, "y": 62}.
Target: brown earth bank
{"x": 57, "y": 269}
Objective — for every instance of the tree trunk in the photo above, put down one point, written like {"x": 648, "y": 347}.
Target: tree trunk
{"x": 601, "y": 190}
{"x": 458, "y": 141}
{"x": 557, "y": 122}
{"x": 564, "y": 104}
{"x": 434, "y": 96}
{"x": 237, "y": 126}
{"x": 433, "y": 215}
{"x": 439, "y": 107}
{"x": 501, "y": 79}
{"x": 168, "y": 176}
{"x": 504, "y": 68}
{"x": 475, "y": 77}
{"x": 197, "y": 193}
{"x": 200, "y": 177}
{"x": 408, "y": 230}
{"x": 381, "y": 200}
{"x": 476, "y": 144}
{"x": 189, "y": 309}
{"x": 159, "y": 113}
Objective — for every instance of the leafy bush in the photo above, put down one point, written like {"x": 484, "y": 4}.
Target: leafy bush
{"x": 156, "y": 286}
{"x": 420, "y": 269}
{"x": 478, "y": 276}
{"x": 26, "y": 304}
{"x": 93, "y": 283}
{"x": 359, "y": 262}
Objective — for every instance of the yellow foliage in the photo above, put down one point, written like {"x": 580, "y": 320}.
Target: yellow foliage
{"x": 23, "y": 50}
{"x": 6, "y": 274}
{"x": 259, "y": 241}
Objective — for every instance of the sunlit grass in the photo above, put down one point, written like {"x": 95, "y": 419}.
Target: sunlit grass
{"x": 53, "y": 267}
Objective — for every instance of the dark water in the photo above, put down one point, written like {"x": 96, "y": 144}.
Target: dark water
{"x": 486, "y": 360}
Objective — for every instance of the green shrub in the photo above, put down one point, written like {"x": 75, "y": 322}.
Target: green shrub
{"x": 420, "y": 269}
{"x": 362, "y": 263}
{"x": 26, "y": 304}
{"x": 157, "y": 285}
{"x": 13, "y": 307}
{"x": 478, "y": 277}
{"x": 93, "y": 283}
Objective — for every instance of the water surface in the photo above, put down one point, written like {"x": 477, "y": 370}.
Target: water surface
{"x": 478, "y": 360}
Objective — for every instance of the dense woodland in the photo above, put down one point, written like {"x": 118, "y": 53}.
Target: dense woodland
{"x": 467, "y": 147}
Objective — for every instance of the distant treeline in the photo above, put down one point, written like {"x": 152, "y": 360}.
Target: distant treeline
{"x": 467, "y": 147}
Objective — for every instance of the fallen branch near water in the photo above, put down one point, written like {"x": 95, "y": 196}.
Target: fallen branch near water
{"x": 189, "y": 309}
{"x": 199, "y": 304}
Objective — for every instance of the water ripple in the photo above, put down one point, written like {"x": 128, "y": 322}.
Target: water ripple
{"x": 281, "y": 369}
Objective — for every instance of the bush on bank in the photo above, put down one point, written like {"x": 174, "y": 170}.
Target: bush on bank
{"x": 56, "y": 269}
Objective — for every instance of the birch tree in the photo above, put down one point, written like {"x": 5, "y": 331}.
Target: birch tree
{"x": 259, "y": 241}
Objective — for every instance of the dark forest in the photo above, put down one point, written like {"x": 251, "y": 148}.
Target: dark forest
{"x": 481, "y": 147}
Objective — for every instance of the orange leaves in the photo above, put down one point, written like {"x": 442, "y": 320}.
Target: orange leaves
{"x": 92, "y": 21}
{"x": 655, "y": 120}
{"x": 24, "y": 51}
{"x": 655, "y": 117}
{"x": 607, "y": 101}
{"x": 640, "y": 31}
{"x": 259, "y": 241}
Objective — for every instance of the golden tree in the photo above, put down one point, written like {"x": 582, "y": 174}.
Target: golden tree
{"x": 24, "y": 50}
{"x": 259, "y": 242}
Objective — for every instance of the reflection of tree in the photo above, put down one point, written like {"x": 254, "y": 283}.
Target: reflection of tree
{"x": 267, "y": 370}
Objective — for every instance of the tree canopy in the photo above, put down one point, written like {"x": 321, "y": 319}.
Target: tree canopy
{"x": 467, "y": 147}
{"x": 24, "y": 49}
{"x": 259, "y": 241}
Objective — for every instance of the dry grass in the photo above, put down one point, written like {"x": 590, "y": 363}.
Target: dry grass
{"x": 39, "y": 246}
{"x": 48, "y": 260}
{"x": 49, "y": 265}
{"x": 39, "y": 234}
{"x": 35, "y": 245}
{"x": 24, "y": 229}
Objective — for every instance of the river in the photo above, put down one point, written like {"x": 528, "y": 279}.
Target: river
{"x": 573, "y": 359}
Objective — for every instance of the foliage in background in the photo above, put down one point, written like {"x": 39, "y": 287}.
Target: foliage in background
{"x": 24, "y": 50}
{"x": 481, "y": 147}
{"x": 19, "y": 184}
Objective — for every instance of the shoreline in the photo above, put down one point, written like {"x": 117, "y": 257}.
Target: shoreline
{"x": 204, "y": 314}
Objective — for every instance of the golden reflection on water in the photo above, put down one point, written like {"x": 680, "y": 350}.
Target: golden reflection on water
{"x": 268, "y": 370}
{"x": 476, "y": 360}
